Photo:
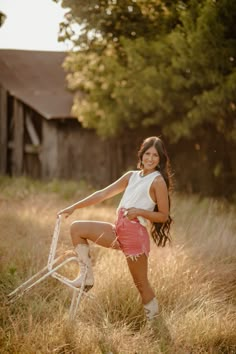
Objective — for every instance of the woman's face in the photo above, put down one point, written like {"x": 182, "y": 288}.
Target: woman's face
{"x": 150, "y": 159}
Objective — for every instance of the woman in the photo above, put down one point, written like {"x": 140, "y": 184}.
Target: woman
{"x": 145, "y": 203}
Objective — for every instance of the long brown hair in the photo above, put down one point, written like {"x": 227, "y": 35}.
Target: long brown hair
{"x": 160, "y": 231}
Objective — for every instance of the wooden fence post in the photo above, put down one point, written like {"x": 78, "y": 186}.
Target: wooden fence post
{"x": 18, "y": 144}
{"x": 3, "y": 131}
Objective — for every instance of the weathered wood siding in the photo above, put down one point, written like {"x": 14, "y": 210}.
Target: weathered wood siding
{"x": 49, "y": 155}
{"x": 82, "y": 155}
{"x": 18, "y": 144}
{"x": 71, "y": 152}
{"x": 3, "y": 131}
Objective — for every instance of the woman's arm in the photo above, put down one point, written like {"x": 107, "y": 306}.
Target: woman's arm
{"x": 99, "y": 196}
{"x": 159, "y": 194}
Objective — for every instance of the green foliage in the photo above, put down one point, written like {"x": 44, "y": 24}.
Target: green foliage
{"x": 105, "y": 21}
{"x": 151, "y": 63}
{"x": 2, "y": 18}
{"x": 207, "y": 51}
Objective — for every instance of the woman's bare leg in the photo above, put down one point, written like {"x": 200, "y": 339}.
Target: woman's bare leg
{"x": 139, "y": 269}
{"x": 101, "y": 233}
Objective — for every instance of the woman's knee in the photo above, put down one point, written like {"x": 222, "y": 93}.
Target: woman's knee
{"x": 75, "y": 232}
{"x": 74, "y": 228}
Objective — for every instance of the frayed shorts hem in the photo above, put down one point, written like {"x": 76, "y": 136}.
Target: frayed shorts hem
{"x": 134, "y": 257}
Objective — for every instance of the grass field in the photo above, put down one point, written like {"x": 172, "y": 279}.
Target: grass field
{"x": 194, "y": 279}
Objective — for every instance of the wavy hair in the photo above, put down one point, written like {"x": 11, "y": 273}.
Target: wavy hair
{"x": 160, "y": 231}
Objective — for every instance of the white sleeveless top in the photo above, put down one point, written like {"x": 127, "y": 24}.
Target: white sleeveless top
{"x": 137, "y": 193}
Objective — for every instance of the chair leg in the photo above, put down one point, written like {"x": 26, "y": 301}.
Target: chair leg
{"x": 76, "y": 300}
{"x": 51, "y": 269}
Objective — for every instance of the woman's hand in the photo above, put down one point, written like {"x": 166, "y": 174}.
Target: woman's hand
{"x": 67, "y": 211}
{"x": 131, "y": 213}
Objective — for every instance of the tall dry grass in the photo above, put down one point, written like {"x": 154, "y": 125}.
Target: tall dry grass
{"x": 194, "y": 279}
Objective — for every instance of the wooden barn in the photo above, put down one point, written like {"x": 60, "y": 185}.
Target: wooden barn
{"x": 38, "y": 135}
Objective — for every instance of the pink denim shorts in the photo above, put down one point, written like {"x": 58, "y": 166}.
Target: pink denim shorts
{"x": 132, "y": 236}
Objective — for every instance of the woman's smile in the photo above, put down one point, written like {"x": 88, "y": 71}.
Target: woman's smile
{"x": 150, "y": 160}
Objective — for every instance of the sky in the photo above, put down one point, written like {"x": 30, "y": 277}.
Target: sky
{"x": 31, "y": 25}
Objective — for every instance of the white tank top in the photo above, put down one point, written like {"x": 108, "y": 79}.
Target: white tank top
{"x": 137, "y": 193}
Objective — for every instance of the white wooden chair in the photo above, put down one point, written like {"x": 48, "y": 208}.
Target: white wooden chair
{"x": 53, "y": 265}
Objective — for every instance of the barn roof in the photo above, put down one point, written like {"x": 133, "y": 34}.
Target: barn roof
{"x": 38, "y": 79}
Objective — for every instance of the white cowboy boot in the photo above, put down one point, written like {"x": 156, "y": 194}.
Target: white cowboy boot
{"x": 151, "y": 309}
{"x": 85, "y": 264}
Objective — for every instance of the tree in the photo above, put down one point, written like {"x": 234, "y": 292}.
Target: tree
{"x": 114, "y": 61}
{"x": 2, "y": 18}
{"x": 145, "y": 63}
{"x": 203, "y": 66}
